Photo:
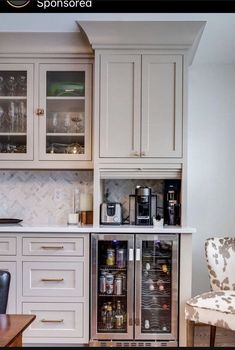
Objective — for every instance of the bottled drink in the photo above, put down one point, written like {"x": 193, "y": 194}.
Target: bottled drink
{"x": 109, "y": 316}
{"x": 120, "y": 258}
{"x": 110, "y": 261}
{"x": 118, "y": 285}
{"x": 109, "y": 283}
{"x": 119, "y": 319}
{"x": 102, "y": 283}
{"x": 103, "y": 315}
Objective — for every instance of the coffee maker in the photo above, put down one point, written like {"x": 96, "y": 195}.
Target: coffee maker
{"x": 142, "y": 206}
{"x": 172, "y": 207}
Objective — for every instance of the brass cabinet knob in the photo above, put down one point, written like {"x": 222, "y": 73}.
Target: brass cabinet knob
{"x": 40, "y": 111}
{"x": 143, "y": 154}
{"x": 135, "y": 154}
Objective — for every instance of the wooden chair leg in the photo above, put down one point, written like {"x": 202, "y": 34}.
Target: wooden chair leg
{"x": 212, "y": 335}
{"x": 190, "y": 333}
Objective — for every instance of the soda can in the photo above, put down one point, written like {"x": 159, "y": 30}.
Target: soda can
{"x": 109, "y": 283}
{"x": 102, "y": 284}
{"x": 120, "y": 258}
{"x": 118, "y": 285}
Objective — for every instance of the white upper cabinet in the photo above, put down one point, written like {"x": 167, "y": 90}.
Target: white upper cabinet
{"x": 45, "y": 113}
{"x": 161, "y": 126}
{"x": 141, "y": 106}
{"x": 65, "y": 124}
{"x": 120, "y": 94}
{"x": 16, "y": 111}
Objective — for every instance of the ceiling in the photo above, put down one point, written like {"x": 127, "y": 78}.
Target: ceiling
{"x": 217, "y": 44}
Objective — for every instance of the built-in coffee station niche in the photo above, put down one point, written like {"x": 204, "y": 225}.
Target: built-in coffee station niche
{"x": 140, "y": 202}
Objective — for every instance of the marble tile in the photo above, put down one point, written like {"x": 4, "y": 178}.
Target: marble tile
{"x": 41, "y": 197}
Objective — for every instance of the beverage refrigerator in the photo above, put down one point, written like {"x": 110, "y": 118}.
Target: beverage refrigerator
{"x": 134, "y": 290}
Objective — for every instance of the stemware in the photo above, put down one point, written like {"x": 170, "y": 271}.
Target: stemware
{"x": 22, "y": 84}
{"x": 11, "y": 85}
{"x": 2, "y": 83}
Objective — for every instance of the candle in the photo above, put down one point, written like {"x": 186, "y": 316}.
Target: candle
{"x": 73, "y": 219}
{"x": 86, "y": 202}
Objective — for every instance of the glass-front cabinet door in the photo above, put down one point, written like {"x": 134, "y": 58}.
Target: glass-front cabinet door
{"x": 16, "y": 111}
{"x": 112, "y": 286}
{"x": 156, "y": 287}
{"x": 65, "y": 112}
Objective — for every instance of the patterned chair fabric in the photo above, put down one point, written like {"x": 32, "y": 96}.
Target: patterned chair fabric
{"x": 217, "y": 307}
{"x": 220, "y": 255}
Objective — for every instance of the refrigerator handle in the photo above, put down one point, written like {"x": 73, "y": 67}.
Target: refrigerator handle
{"x": 131, "y": 254}
{"x": 137, "y": 257}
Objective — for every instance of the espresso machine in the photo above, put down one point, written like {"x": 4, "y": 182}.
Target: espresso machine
{"x": 172, "y": 208}
{"x": 143, "y": 206}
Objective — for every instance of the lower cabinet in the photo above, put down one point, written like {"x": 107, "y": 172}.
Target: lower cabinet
{"x": 52, "y": 282}
{"x": 56, "y": 320}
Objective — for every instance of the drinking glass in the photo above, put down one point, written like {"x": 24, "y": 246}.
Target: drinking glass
{"x": 2, "y": 83}
{"x": 22, "y": 83}
{"x": 11, "y": 85}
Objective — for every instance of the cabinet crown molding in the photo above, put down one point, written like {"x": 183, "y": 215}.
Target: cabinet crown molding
{"x": 183, "y": 35}
{"x": 44, "y": 43}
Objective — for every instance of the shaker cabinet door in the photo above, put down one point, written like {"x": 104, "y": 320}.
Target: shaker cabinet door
{"x": 162, "y": 120}
{"x": 120, "y": 106}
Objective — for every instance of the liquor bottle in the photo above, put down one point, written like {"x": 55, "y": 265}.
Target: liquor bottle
{"x": 119, "y": 319}
{"x": 124, "y": 315}
{"x": 104, "y": 315}
{"x": 109, "y": 316}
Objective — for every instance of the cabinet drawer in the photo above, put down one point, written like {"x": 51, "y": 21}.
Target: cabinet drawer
{"x": 53, "y": 279}
{"x": 53, "y": 246}
{"x": 7, "y": 246}
{"x": 55, "y": 320}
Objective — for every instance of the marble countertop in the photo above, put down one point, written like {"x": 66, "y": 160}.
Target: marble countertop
{"x": 24, "y": 228}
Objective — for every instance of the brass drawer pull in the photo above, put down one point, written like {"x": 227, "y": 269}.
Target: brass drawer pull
{"x": 130, "y": 322}
{"x": 52, "y": 279}
{"x": 52, "y": 321}
{"x": 137, "y": 321}
{"x": 58, "y": 247}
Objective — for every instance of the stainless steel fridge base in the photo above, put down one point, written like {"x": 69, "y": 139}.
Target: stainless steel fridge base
{"x": 134, "y": 343}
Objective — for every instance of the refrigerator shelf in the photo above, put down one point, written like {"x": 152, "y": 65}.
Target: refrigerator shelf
{"x": 112, "y": 295}
{"x": 112, "y": 330}
{"x": 113, "y": 268}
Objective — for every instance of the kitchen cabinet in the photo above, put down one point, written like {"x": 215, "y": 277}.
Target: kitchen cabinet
{"x": 141, "y": 111}
{"x": 45, "y": 113}
{"x": 52, "y": 283}
{"x": 16, "y": 111}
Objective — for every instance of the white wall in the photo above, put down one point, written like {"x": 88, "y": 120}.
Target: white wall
{"x": 211, "y": 173}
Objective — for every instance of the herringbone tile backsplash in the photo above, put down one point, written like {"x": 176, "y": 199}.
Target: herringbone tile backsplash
{"x": 40, "y": 197}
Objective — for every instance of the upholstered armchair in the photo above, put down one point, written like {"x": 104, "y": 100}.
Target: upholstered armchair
{"x": 217, "y": 307}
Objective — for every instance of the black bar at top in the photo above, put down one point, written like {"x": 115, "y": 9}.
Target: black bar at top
{"x": 129, "y": 6}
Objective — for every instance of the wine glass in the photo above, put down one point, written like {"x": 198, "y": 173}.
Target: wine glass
{"x": 22, "y": 83}
{"x": 11, "y": 85}
{"x": 1, "y": 118}
{"x": 1, "y": 86}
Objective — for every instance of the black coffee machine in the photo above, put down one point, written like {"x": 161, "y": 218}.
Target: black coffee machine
{"x": 143, "y": 205}
{"x": 172, "y": 203}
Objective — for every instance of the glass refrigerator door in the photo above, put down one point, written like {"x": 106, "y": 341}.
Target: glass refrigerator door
{"x": 112, "y": 286}
{"x": 156, "y": 287}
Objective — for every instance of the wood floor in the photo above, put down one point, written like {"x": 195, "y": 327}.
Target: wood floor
{"x": 223, "y": 337}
